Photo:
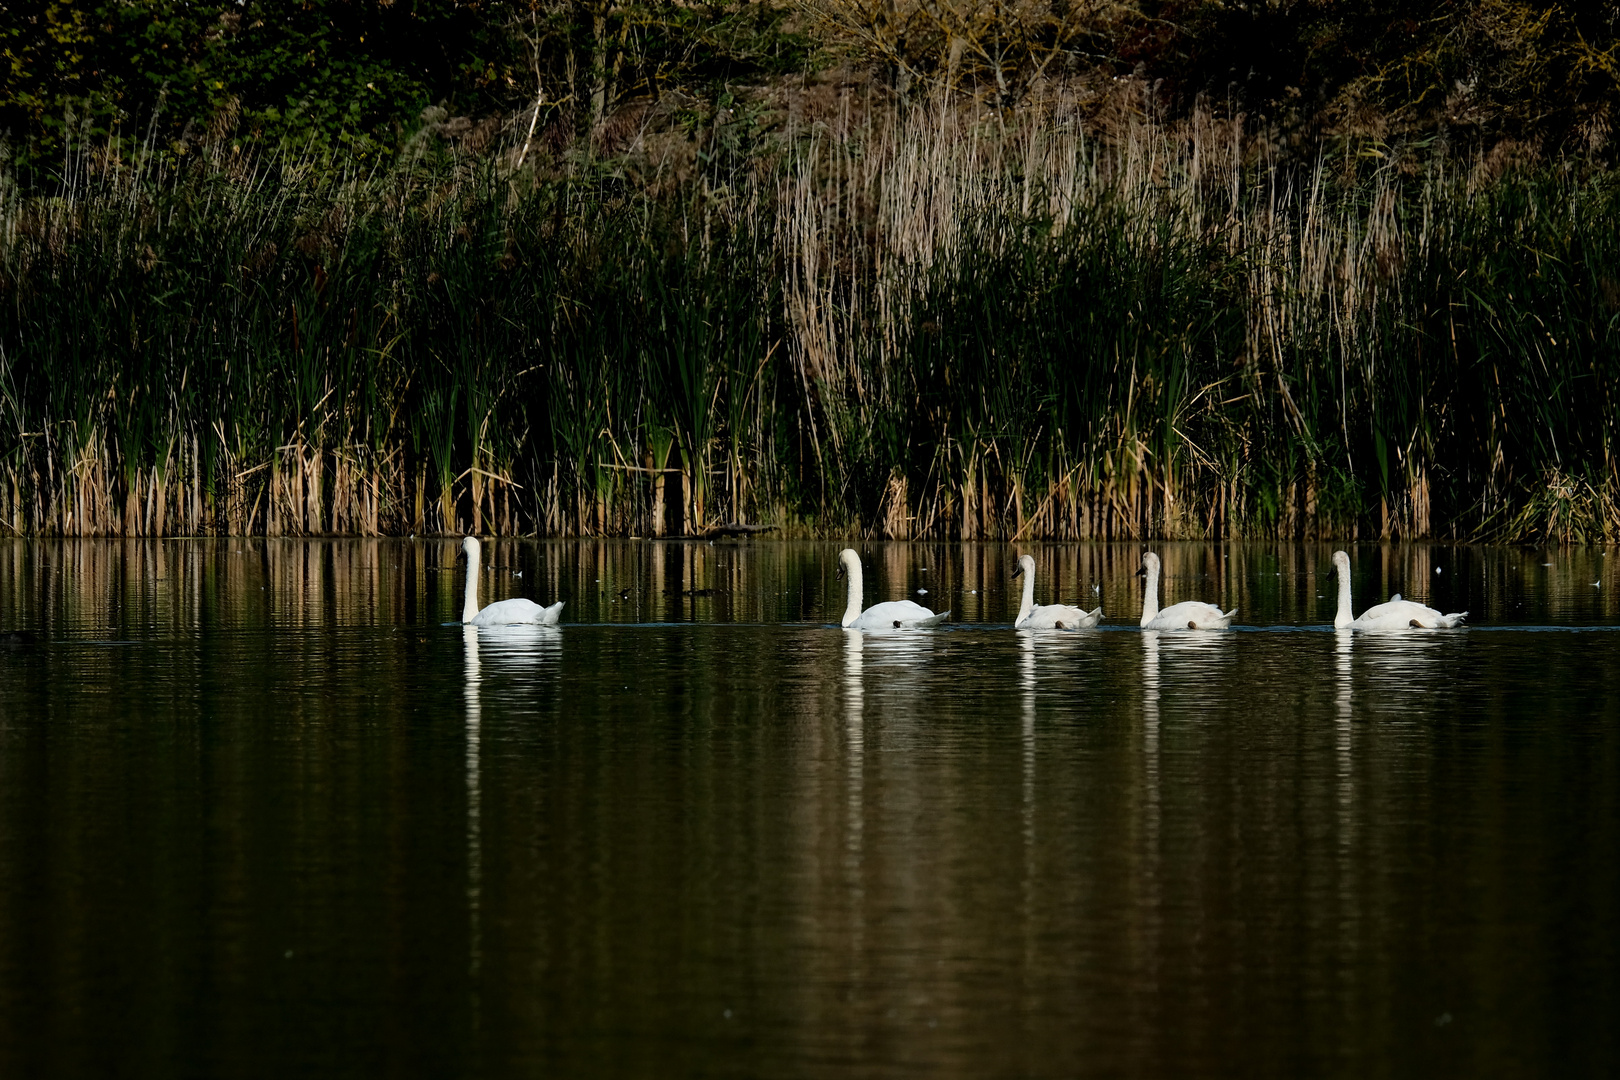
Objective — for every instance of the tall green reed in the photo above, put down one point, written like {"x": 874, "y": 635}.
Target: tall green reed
{"x": 926, "y": 326}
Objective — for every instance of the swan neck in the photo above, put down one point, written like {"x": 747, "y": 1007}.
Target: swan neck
{"x": 1150, "y": 595}
{"x": 1029, "y": 596}
{"x": 852, "y": 610}
{"x": 469, "y": 607}
{"x": 1343, "y": 618}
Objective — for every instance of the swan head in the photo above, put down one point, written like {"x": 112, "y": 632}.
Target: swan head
{"x": 1150, "y": 564}
{"x": 1026, "y": 564}
{"x": 848, "y": 562}
{"x": 469, "y": 547}
{"x": 1341, "y": 563}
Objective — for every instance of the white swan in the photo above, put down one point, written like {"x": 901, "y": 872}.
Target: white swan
{"x": 1048, "y": 616}
{"x": 893, "y": 615}
{"x": 1398, "y": 614}
{"x": 501, "y": 612}
{"x": 1187, "y": 615}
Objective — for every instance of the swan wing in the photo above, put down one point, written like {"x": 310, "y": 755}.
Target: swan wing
{"x": 1405, "y": 615}
{"x": 1059, "y": 617}
{"x": 517, "y": 610}
{"x": 1381, "y": 616}
{"x": 1432, "y": 619}
{"x": 1191, "y": 615}
{"x": 896, "y": 615}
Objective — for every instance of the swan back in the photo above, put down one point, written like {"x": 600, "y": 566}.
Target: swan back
{"x": 896, "y": 615}
{"x": 516, "y": 611}
{"x": 1191, "y": 615}
{"x": 1407, "y": 615}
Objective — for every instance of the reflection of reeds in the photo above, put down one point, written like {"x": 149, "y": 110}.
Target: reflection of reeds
{"x": 919, "y": 328}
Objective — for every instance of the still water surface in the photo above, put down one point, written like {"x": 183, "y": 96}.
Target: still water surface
{"x": 265, "y": 812}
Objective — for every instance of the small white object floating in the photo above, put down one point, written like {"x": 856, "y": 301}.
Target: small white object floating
{"x": 922, "y": 592}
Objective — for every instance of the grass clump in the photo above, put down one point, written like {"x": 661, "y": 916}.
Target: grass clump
{"x": 931, "y": 323}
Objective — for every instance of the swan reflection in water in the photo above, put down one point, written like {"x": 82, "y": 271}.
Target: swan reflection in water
{"x": 1343, "y": 644}
{"x": 855, "y": 783}
{"x": 1193, "y": 659}
{"x": 1399, "y": 666}
{"x": 854, "y": 689}
{"x": 1026, "y": 676}
{"x": 1343, "y": 649}
{"x": 514, "y": 649}
{"x": 510, "y": 649}
{"x": 1026, "y": 673}
{"x": 898, "y": 659}
{"x": 1150, "y": 702}
{"x": 473, "y": 695}
{"x": 1150, "y": 730}
{"x": 900, "y": 656}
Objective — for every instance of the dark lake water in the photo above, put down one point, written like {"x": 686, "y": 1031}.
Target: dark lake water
{"x": 264, "y": 812}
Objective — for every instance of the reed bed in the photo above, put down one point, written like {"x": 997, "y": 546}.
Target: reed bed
{"x": 928, "y": 325}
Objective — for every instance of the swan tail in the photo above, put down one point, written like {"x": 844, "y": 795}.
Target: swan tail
{"x": 933, "y": 620}
{"x": 550, "y": 615}
{"x": 1229, "y": 614}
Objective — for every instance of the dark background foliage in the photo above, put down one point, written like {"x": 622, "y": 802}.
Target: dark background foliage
{"x": 355, "y": 76}
{"x": 345, "y": 73}
{"x": 351, "y": 76}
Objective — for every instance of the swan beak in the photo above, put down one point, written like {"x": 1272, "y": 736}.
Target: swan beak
{"x": 1018, "y": 571}
{"x": 1142, "y": 572}
{"x": 840, "y": 574}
